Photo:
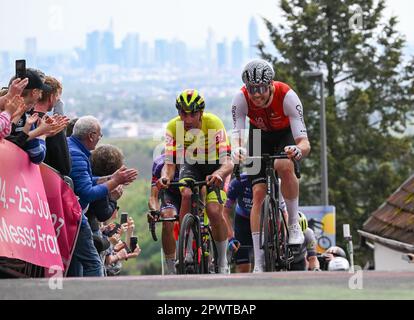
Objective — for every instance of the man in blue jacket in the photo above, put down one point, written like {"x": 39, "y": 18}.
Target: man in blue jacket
{"x": 86, "y": 135}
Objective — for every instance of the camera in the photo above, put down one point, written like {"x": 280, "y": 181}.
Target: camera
{"x": 128, "y": 249}
{"x": 133, "y": 243}
{"x": 124, "y": 217}
{"x": 113, "y": 231}
{"x": 323, "y": 261}
{"x": 21, "y": 69}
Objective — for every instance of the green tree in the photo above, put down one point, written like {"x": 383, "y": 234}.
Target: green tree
{"x": 369, "y": 98}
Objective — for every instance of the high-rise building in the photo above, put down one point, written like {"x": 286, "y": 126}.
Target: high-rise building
{"x": 179, "y": 54}
{"x": 92, "y": 54}
{"x": 131, "y": 50}
{"x": 222, "y": 55}
{"x": 144, "y": 54}
{"x": 30, "y": 47}
{"x": 107, "y": 47}
{"x": 237, "y": 55}
{"x": 161, "y": 52}
{"x": 253, "y": 38}
{"x": 100, "y": 48}
{"x": 211, "y": 48}
{"x": 108, "y": 51}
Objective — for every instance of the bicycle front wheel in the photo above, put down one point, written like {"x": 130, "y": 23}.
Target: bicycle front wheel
{"x": 284, "y": 254}
{"x": 268, "y": 229}
{"x": 189, "y": 248}
{"x": 210, "y": 254}
{"x": 324, "y": 242}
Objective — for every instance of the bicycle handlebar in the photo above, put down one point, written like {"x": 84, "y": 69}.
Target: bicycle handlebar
{"x": 155, "y": 218}
{"x": 268, "y": 157}
{"x": 151, "y": 223}
{"x": 155, "y": 214}
{"x": 191, "y": 184}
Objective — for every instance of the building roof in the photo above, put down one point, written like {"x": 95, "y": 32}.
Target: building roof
{"x": 394, "y": 219}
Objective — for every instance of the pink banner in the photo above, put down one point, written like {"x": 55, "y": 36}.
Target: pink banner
{"x": 26, "y": 226}
{"x": 66, "y": 212}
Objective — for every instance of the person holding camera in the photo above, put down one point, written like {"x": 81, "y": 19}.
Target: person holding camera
{"x": 333, "y": 259}
{"x": 89, "y": 188}
{"x": 119, "y": 250}
{"x": 105, "y": 160}
{"x": 27, "y": 130}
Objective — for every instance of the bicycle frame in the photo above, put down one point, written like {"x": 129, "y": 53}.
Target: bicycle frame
{"x": 203, "y": 237}
{"x": 276, "y": 218}
{"x": 274, "y": 236}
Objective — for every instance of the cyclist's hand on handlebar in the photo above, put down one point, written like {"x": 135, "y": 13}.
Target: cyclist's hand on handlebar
{"x": 234, "y": 245}
{"x": 214, "y": 180}
{"x": 293, "y": 152}
{"x": 163, "y": 183}
{"x": 238, "y": 154}
{"x": 153, "y": 216}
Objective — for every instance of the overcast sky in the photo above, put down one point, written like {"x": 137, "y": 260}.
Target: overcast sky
{"x": 62, "y": 24}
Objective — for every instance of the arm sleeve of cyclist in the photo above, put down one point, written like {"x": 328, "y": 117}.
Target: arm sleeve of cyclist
{"x": 292, "y": 107}
{"x": 154, "y": 178}
{"x": 310, "y": 241}
{"x": 233, "y": 193}
{"x": 239, "y": 113}
{"x": 170, "y": 141}
{"x": 156, "y": 169}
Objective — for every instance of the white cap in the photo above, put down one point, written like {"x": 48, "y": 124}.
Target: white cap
{"x": 338, "y": 264}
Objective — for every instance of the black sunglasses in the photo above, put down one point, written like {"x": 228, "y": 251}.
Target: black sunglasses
{"x": 258, "y": 89}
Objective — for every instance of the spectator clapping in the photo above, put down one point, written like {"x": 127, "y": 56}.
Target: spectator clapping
{"x": 11, "y": 105}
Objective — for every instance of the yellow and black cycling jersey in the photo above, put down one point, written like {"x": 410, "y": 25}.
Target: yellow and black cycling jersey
{"x": 208, "y": 144}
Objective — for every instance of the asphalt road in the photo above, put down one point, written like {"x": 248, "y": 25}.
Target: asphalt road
{"x": 267, "y": 286}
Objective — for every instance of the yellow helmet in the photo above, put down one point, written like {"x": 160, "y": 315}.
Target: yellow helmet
{"x": 189, "y": 101}
{"x": 303, "y": 221}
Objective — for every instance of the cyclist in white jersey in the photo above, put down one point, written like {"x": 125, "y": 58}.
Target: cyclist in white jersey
{"x": 276, "y": 112}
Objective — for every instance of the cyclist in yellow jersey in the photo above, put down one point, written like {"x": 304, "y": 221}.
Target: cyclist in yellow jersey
{"x": 198, "y": 142}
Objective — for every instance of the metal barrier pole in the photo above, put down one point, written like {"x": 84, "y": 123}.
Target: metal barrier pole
{"x": 348, "y": 238}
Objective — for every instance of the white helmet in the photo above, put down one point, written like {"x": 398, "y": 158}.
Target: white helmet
{"x": 338, "y": 264}
{"x": 258, "y": 72}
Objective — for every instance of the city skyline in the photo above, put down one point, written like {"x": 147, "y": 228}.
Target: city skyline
{"x": 210, "y": 35}
{"x": 106, "y": 46}
{"x": 101, "y": 50}
{"x": 60, "y": 25}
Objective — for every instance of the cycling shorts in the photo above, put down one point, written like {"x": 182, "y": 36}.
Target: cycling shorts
{"x": 272, "y": 142}
{"x": 199, "y": 172}
{"x": 170, "y": 200}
